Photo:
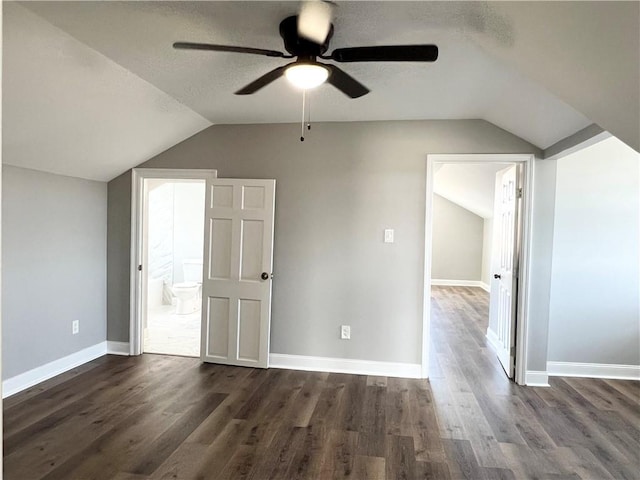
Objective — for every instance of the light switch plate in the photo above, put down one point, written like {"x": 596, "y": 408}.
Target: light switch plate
{"x": 345, "y": 332}
{"x": 388, "y": 235}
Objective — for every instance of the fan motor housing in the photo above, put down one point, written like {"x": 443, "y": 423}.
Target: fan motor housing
{"x": 298, "y": 46}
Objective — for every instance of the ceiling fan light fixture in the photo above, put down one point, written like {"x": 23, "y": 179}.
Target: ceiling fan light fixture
{"x": 306, "y": 75}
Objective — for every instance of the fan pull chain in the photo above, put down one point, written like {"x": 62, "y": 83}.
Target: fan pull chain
{"x": 304, "y": 98}
{"x": 309, "y": 112}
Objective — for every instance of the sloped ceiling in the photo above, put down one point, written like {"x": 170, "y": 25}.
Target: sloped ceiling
{"x": 68, "y": 109}
{"x": 465, "y": 82}
{"x": 471, "y": 186}
{"x": 476, "y": 76}
{"x": 587, "y": 53}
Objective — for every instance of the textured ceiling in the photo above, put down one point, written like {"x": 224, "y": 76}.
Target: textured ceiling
{"x": 476, "y": 76}
{"x": 465, "y": 82}
{"x": 587, "y": 53}
{"x": 69, "y": 110}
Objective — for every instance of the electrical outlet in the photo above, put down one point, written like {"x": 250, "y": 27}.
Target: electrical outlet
{"x": 75, "y": 326}
{"x": 345, "y": 332}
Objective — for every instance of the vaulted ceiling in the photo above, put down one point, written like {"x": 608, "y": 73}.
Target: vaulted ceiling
{"x": 470, "y": 186}
{"x": 94, "y": 88}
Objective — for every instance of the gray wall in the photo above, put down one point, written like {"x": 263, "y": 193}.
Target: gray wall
{"x": 595, "y": 283}
{"x": 457, "y": 242}
{"x": 487, "y": 251}
{"x": 118, "y": 257}
{"x": 53, "y": 266}
{"x": 1, "y": 395}
{"x": 335, "y": 194}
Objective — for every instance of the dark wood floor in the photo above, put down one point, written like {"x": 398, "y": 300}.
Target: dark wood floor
{"x": 170, "y": 417}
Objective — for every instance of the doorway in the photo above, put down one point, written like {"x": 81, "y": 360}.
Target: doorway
{"x": 479, "y": 240}
{"x": 173, "y": 244}
{"x": 233, "y": 276}
{"x": 152, "y": 279}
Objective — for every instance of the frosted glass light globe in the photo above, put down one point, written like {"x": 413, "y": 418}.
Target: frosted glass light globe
{"x": 306, "y": 75}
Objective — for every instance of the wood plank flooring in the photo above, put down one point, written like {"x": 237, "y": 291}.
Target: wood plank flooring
{"x": 159, "y": 417}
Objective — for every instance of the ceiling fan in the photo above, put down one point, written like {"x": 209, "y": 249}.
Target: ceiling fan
{"x": 306, "y": 38}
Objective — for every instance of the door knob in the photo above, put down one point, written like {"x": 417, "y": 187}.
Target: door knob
{"x": 265, "y": 276}
{"x": 497, "y": 275}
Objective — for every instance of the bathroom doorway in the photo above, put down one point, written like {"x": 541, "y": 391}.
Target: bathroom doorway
{"x": 173, "y": 241}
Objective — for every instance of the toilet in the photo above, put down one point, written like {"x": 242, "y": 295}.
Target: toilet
{"x": 187, "y": 293}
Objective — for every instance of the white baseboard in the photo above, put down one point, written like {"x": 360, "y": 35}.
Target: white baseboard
{"x": 345, "y": 365}
{"x": 117, "y": 348}
{"x": 485, "y": 287}
{"x": 16, "y": 384}
{"x": 594, "y": 370}
{"x": 460, "y": 283}
{"x": 492, "y": 337}
{"x": 535, "y": 378}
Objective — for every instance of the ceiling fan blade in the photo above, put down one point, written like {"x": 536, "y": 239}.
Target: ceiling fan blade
{"x": 345, "y": 82}
{"x": 263, "y": 81}
{"x": 392, "y": 53}
{"x": 227, "y": 48}
{"x": 314, "y": 20}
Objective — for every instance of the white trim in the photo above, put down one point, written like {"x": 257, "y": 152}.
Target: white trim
{"x": 593, "y": 370}
{"x": 492, "y": 338}
{"x": 16, "y": 384}
{"x": 522, "y": 331}
{"x": 505, "y": 158}
{"x": 136, "y": 191}
{"x": 524, "y": 266}
{"x": 428, "y": 240}
{"x": 137, "y": 282}
{"x": 344, "y": 365}
{"x": 459, "y": 283}
{"x": 117, "y": 348}
{"x": 537, "y": 379}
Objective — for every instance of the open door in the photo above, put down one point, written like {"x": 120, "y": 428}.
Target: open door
{"x": 504, "y": 282}
{"x": 236, "y": 283}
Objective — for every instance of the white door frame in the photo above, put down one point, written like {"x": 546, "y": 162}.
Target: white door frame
{"x": 137, "y": 284}
{"x": 522, "y": 311}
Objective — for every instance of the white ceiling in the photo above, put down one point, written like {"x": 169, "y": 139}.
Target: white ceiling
{"x": 471, "y": 186}
{"x": 471, "y": 79}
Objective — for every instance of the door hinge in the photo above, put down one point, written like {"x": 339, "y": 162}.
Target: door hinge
{"x": 519, "y": 193}
{"x": 513, "y": 351}
{"x": 139, "y": 268}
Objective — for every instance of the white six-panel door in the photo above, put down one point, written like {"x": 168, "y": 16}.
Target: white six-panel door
{"x": 236, "y": 283}
{"x": 503, "y": 309}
